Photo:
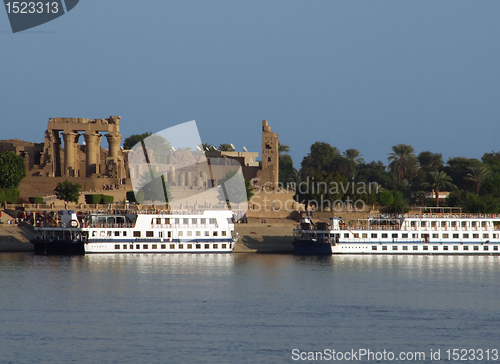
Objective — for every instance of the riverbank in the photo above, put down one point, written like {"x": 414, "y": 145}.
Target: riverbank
{"x": 271, "y": 236}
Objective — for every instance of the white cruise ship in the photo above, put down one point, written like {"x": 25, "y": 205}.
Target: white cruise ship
{"x": 434, "y": 233}
{"x": 209, "y": 231}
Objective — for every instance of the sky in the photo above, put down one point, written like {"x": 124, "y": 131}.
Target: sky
{"x": 356, "y": 74}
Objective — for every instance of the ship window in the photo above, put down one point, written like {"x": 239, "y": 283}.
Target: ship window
{"x": 215, "y": 233}
{"x": 435, "y": 236}
{"x": 180, "y": 233}
{"x": 169, "y": 234}
{"x": 485, "y": 247}
{"x": 374, "y": 236}
{"x": 149, "y": 234}
{"x": 423, "y": 224}
{"x": 194, "y": 221}
{"x": 103, "y": 233}
{"x": 160, "y": 234}
{"x": 131, "y": 246}
{"x": 124, "y": 233}
{"x": 172, "y": 246}
{"x": 394, "y": 236}
{"x": 404, "y": 236}
{"x": 475, "y": 236}
{"x": 190, "y": 246}
{"x": 384, "y": 236}
{"x": 216, "y": 246}
{"x": 137, "y": 234}
{"x": 495, "y": 236}
{"x": 435, "y": 247}
{"x": 207, "y": 233}
{"x": 198, "y": 233}
{"x": 483, "y": 223}
{"x": 455, "y": 236}
{"x": 466, "y": 236}
{"x": 158, "y": 221}
{"x": 446, "y": 236}
{"x": 94, "y": 233}
{"x": 110, "y": 233}
{"x": 198, "y": 246}
{"x": 138, "y": 246}
{"x": 189, "y": 233}
{"x": 394, "y": 247}
{"x": 384, "y": 247}
{"x": 415, "y": 247}
{"x": 185, "y": 221}
{"x": 495, "y": 247}
{"x": 374, "y": 247}
{"x": 181, "y": 246}
{"x": 124, "y": 246}
{"x": 476, "y": 247}
{"x": 163, "y": 246}
{"x": 464, "y": 224}
{"x": 167, "y": 221}
{"x": 117, "y": 246}
{"x": 203, "y": 221}
{"x": 365, "y": 235}
{"x": 144, "y": 246}
{"x": 413, "y": 223}
{"x": 455, "y": 247}
{"x": 445, "y": 247}
{"x": 466, "y": 248}
{"x": 177, "y": 221}
{"x": 224, "y": 246}
{"x": 154, "y": 246}
{"x": 224, "y": 233}
{"x": 207, "y": 246}
{"x": 443, "y": 223}
{"x": 434, "y": 223}
{"x": 405, "y": 247}
{"x": 486, "y": 236}
{"x": 425, "y": 236}
{"x": 425, "y": 247}
{"x": 117, "y": 233}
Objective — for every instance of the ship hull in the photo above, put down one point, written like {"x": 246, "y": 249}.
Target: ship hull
{"x": 310, "y": 247}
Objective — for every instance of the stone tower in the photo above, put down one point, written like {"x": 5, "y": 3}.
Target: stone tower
{"x": 268, "y": 175}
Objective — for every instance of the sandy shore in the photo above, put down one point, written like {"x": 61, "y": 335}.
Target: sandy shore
{"x": 15, "y": 239}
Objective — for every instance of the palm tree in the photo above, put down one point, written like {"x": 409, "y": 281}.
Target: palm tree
{"x": 401, "y": 160}
{"x": 438, "y": 181}
{"x": 477, "y": 174}
{"x": 226, "y": 148}
{"x": 282, "y": 148}
{"x": 354, "y": 156}
{"x": 207, "y": 147}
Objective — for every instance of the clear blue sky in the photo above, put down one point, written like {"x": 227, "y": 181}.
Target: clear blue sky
{"x": 356, "y": 74}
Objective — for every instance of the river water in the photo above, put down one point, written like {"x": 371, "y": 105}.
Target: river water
{"x": 244, "y": 308}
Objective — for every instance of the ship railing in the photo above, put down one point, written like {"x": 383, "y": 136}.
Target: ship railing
{"x": 436, "y": 216}
{"x": 378, "y": 241}
{"x": 107, "y": 226}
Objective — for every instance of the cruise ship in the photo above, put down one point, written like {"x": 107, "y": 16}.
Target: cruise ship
{"x": 422, "y": 233}
{"x": 208, "y": 231}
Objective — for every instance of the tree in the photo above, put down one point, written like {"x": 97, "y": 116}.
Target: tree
{"x": 208, "y": 147}
{"x": 226, "y": 148}
{"x": 354, "y": 156}
{"x": 319, "y": 159}
{"x": 132, "y": 140}
{"x": 282, "y": 148}
{"x": 235, "y": 189}
{"x": 402, "y": 161}
{"x": 12, "y": 170}
{"x": 67, "y": 191}
{"x": 153, "y": 187}
{"x": 430, "y": 162}
{"x": 457, "y": 168}
{"x": 477, "y": 175}
{"x": 438, "y": 181}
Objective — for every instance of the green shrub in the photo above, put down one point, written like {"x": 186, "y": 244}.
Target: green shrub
{"x": 107, "y": 199}
{"x": 131, "y": 196}
{"x": 35, "y": 199}
{"x": 93, "y": 199}
{"x": 9, "y": 195}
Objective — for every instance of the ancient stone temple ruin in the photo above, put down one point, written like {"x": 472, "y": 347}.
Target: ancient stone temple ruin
{"x": 88, "y": 160}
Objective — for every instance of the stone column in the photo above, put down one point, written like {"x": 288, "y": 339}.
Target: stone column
{"x": 114, "y": 140}
{"x": 70, "y": 147}
{"x": 93, "y": 142}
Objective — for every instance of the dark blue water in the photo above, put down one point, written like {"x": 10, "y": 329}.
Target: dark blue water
{"x": 242, "y": 308}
